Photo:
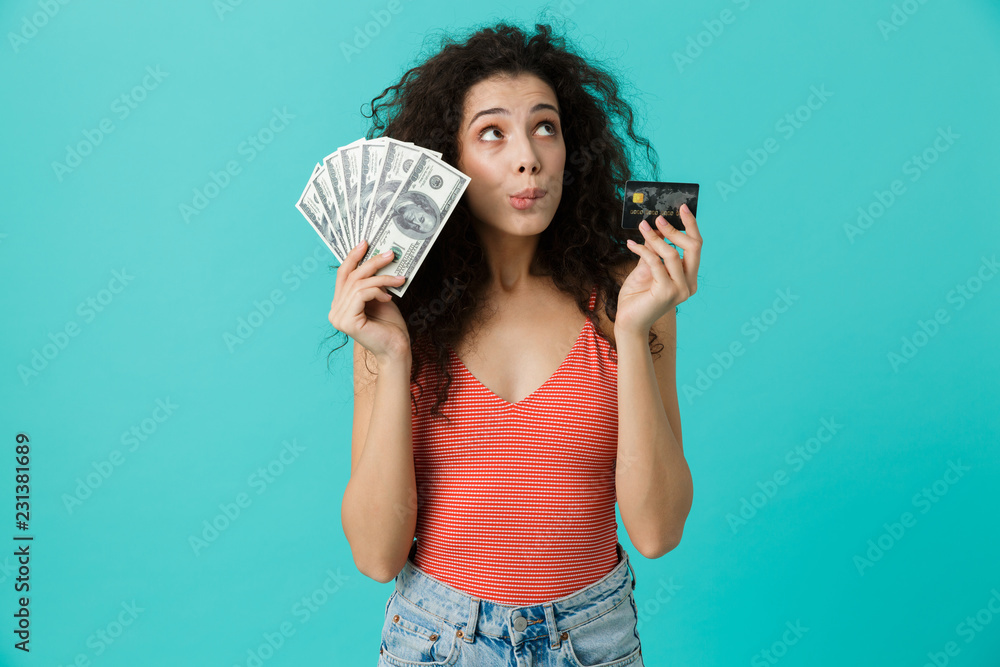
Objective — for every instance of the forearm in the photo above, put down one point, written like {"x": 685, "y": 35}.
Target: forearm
{"x": 652, "y": 477}
{"x": 379, "y": 509}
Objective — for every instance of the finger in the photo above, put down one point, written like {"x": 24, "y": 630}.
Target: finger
{"x": 350, "y": 263}
{"x": 671, "y": 258}
{"x": 692, "y": 256}
{"x": 382, "y": 281}
{"x": 658, "y": 244}
{"x": 672, "y": 234}
{"x": 652, "y": 260}
{"x": 690, "y": 224}
{"x": 375, "y": 263}
{"x": 367, "y": 295}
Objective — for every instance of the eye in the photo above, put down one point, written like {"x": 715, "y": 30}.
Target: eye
{"x": 489, "y": 128}
{"x": 550, "y": 124}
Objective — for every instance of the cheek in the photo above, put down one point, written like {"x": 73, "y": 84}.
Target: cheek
{"x": 484, "y": 174}
{"x": 558, "y": 158}
{"x": 480, "y": 190}
{"x": 559, "y": 162}
{"x": 487, "y": 166}
{"x": 478, "y": 187}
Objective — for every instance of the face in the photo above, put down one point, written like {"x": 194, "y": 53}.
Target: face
{"x": 418, "y": 219}
{"x": 511, "y": 139}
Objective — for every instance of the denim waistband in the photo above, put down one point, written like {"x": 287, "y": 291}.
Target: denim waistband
{"x": 471, "y": 615}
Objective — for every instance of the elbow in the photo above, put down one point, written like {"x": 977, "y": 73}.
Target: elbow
{"x": 669, "y": 539}
{"x": 381, "y": 572}
{"x": 382, "y": 576}
{"x": 376, "y": 569}
{"x": 386, "y": 571}
{"x": 661, "y": 548}
{"x": 368, "y": 557}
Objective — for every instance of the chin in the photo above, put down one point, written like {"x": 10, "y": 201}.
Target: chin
{"x": 528, "y": 225}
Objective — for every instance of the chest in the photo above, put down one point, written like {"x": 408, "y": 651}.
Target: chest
{"x": 519, "y": 348}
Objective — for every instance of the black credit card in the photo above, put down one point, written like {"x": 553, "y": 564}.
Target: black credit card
{"x": 645, "y": 200}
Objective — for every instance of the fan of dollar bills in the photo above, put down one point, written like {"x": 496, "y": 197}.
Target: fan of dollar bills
{"x": 394, "y": 194}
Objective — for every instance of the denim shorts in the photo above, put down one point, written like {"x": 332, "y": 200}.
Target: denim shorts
{"x": 428, "y": 622}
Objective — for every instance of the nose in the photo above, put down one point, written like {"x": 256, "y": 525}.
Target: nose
{"x": 527, "y": 158}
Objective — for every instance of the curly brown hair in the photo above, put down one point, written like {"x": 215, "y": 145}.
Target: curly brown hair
{"x": 584, "y": 243}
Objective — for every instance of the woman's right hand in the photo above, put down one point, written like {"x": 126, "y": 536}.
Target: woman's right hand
{"x": 364, "y": 311}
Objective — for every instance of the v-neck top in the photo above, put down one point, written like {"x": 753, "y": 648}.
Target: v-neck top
{"x": 516, "y": 501}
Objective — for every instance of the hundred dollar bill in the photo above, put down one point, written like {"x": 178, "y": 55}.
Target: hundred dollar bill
{"x": 312, "y": 208}
{"x": 350, "y": 162}
{"x": 415, "y": 217}
{"x": 335, "y": 174}
{"x": 372, "y": 156}
{"x": 324, "y": 190}
{"x": 400, "y": 156}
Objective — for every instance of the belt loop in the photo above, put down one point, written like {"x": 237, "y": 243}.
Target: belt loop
{"x": 470, "y": 625}
{"x": 633, "y": 574}
{"x": 550, "y": 621}
{"x": 624, "y": 554}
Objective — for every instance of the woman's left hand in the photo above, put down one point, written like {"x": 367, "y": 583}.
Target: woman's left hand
{"x": 662, "y": 278}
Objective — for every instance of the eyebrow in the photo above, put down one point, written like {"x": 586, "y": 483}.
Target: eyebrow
{"x": 506, "y": 112}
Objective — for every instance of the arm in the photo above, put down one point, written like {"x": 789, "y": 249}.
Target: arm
{"x": 379, "y": 509}
{"x": 652, "y": 477}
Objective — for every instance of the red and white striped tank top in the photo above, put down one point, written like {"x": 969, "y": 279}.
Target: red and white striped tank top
{"x": 517, "y": 500}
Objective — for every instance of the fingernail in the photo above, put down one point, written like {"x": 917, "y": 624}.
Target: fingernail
{"x": 358, "y": 246}
{"x": 387, "y": 253}
{"x": 644, "y": 226}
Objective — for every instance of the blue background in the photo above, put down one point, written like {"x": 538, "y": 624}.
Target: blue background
{"x": 730, "y": 590}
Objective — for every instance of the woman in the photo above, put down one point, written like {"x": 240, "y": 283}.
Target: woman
{"x": 508, "y": 474}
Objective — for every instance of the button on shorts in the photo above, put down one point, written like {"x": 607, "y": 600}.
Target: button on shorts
{"x": 428, "y": 622}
